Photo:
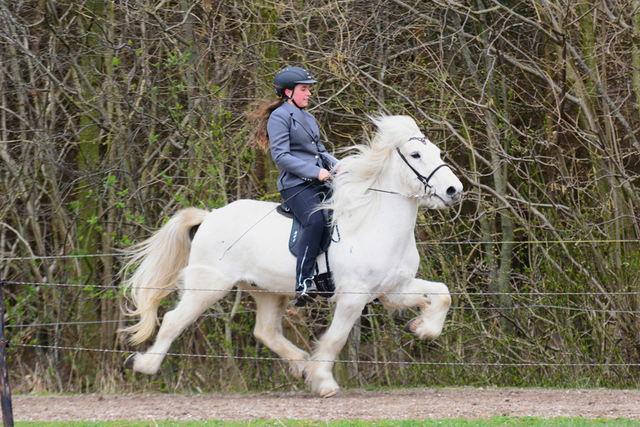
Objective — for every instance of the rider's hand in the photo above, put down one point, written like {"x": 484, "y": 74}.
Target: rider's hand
{"x": 324, "y": 174}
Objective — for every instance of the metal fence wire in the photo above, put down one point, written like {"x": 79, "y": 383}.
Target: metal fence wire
{"x": 460, "y": 295}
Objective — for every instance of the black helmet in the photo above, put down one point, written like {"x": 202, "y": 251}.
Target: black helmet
{"x": 289, "y": 77}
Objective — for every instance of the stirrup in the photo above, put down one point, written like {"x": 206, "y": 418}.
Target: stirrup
{"x": 325, "y": 284}
{"x": 306, "y": 292}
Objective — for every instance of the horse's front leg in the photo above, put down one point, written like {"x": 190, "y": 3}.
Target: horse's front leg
{"x": 320, "y": 366}
{"x": 432, "y": 297}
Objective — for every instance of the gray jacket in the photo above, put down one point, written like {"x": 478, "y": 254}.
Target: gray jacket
{"x": 296, "y": 147}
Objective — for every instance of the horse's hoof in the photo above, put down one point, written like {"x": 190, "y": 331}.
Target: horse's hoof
{"x": 129, "y": 362}
{"x": 412, "y": 325}
{"x": 329, "y": 393}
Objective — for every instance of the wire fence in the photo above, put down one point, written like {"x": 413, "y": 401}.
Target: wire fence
{"x": 532, "y": 294}
{"x": 258, "y": 290}
{"x": 368, "y": 362}
{"x": 420, "y": 243}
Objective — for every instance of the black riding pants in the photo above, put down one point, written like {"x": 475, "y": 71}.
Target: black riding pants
{"x": 303, "y": 200}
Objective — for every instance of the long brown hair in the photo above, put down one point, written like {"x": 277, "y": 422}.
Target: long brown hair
{"x": 262, "y": 113}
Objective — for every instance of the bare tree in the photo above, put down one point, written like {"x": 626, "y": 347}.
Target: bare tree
{"x": 115, "y": 115}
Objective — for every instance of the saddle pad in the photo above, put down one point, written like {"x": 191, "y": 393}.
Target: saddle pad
{"x": 294, "y": 242}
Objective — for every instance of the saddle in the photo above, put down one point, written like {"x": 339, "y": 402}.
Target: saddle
{"x": 324, "y": 281}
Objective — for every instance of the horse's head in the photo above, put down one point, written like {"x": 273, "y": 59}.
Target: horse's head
{"x": 427, "y": 175}
{"x": 418, "y": 164}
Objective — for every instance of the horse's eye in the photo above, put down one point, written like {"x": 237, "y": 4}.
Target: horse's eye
{"x": 415, "y": 155}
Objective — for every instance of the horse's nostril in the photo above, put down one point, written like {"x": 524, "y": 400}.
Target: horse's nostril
{"x": 451, "y": 191}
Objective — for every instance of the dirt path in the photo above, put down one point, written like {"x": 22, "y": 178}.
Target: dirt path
{"x": 351, "y": 404}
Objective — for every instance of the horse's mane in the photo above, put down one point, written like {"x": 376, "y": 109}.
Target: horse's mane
{"x": 352, "y": 201}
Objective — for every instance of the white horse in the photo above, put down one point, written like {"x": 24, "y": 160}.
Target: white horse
{"x": 377, "y": 193}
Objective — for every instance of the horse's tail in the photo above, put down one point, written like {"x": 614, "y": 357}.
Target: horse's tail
{"x": 158, "y": 262}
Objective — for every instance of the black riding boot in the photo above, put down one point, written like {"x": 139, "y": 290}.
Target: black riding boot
{"x": 306, "y": 292}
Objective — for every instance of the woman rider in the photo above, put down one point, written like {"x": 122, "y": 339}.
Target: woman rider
{"x": 294, "y": 138}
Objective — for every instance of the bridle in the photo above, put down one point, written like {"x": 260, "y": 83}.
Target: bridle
{"x": 423, "y": 179}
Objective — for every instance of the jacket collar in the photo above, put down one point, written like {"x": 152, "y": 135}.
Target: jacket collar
{"x": 302, "y": 119}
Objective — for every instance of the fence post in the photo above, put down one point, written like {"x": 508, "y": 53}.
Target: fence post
{"x": 5, "y": 389}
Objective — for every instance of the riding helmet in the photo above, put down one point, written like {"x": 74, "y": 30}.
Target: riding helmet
{"x": 289, "y": 77}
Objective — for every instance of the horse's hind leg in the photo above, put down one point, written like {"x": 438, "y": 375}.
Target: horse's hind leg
{"x": 203, "y": 286}
{"x": 432, "y": 297}
{"x": 268, "y": 330}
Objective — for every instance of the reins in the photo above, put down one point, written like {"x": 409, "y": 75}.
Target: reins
{"x": 260, "y": 220}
